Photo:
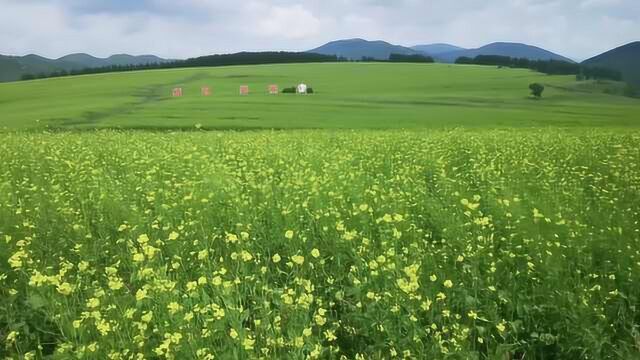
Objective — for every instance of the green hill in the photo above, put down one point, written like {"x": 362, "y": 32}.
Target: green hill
{"x": 8, "y": 68}
{"x": 356, "y": 49}
{"x": 348, "y": 95}
{"x": 625, "y": 59}
{"x": 514, "y": 50}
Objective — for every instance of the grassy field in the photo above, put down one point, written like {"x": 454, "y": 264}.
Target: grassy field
{"x": 348, "y": 96}
{"x": 513, "y": 236}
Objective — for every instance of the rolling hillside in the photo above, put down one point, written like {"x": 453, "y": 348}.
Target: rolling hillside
{"x": 356, "y": 49}
{"x": 347, "y": 95}
{"x": 625, "y": 59}
{"x": 514, "y": 50}
{"x": 13, "y": 67}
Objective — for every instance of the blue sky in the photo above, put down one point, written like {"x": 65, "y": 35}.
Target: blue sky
{"x": 177, "y": 29}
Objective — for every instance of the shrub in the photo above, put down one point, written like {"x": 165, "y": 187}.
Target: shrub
{"x": 294, "y": 90}
{"x": 464, "y": 60}
{"x": 536, "y": 90}
{"x": 630, "y": 91}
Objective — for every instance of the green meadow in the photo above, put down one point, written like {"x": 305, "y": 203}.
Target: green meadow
{"x": 400, "y": 212}
{"x": 347, "y": 96}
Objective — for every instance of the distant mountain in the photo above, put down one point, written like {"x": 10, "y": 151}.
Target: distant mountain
{"x": 437, "y": 49}
{"x": 85, "y": 60}
{"x": 13, "y": 67}
{"x": 124, "y": 59}
{"x": 356, "y": 49}
{"x": 625, "y": 59}
{"x": 8, "y": 68}
{"x": 515, "y": 50}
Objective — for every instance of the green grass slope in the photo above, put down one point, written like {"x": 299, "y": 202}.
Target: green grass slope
{"x": 348, "y": 96}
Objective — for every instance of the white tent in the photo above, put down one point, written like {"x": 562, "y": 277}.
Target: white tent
{"x": 302, "y": 89}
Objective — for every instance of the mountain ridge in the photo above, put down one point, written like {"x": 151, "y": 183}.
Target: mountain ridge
{"x": 14, "y": 67}
{"x": 357, "y": 48}
{"x": 503, "y": 48}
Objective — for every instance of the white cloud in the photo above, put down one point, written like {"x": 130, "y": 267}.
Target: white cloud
{"x": 574, "y": 28}
{"x": 591, "y": 4}
{"x": 293, "y": 22}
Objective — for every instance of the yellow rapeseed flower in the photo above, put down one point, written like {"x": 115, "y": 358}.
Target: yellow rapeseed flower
{"x": 143, "y": 239}
{"x": 147, "y": 317}
{"x": 65, "y": 288}
{"x": 248, "y": 343}
{"x": 232, "y": 238}
{"x": 174, "y": 307}
{"x": 93, "y": 303}
{"x": 11, "y": 338}
{"x": 501, "y": 327}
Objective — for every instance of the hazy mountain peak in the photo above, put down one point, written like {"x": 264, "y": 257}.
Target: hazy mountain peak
{"x": 359, "y": 48}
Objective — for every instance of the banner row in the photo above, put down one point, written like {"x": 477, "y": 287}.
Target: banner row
{"x": 244, "y": 90}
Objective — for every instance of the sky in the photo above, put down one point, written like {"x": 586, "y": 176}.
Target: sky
{"x": 178, "y": 29}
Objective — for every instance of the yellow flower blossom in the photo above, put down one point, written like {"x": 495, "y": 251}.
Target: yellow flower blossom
{"x": 65, "y": 288}
{"x": 143, "y": 239}
{"x": 11, "y": 338}
{"x": 93, "y": 303}
{"x": 248, "y": 343}
{"x": 232, "y": 238}
{"x": 298, "y": 259}
{"x": 146, "y": 317}
{"x": 174, "y": 307}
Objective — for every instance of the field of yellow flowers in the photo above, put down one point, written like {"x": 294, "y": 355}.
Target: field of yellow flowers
{"x": 499, "y": 244}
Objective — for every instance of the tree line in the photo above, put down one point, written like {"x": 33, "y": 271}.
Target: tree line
{"x": 242, "y": 58}
{"x": 395, "y": 58}
{"x": 550, "y": 67}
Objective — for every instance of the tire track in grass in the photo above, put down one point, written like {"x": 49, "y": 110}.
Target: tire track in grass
{"x": 146, "y": 95}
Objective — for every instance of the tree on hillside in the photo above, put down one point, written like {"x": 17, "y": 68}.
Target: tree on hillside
{"x": 415, "y": 58}
{"x": 464, "y": 60}
{"x": 630, "y": 91}
{"x": 536, "y": 90}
